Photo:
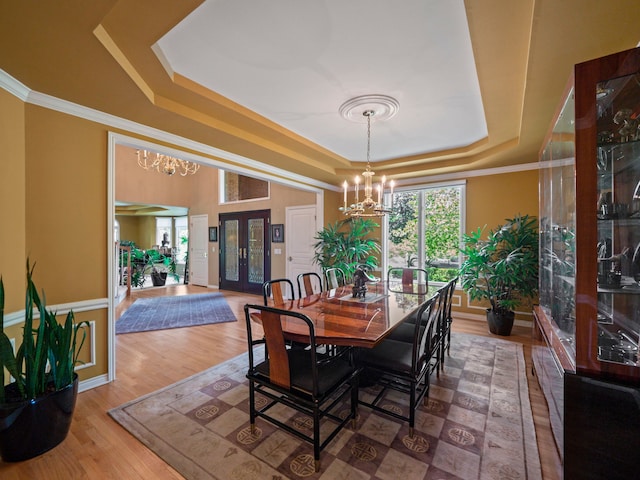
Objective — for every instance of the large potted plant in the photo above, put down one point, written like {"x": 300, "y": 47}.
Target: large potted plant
{"x": 346, "y": 245}
{"x": 37, "y": 406}
{"x": 152, "y": 262}
{"x": 503, "y": 269}
{"x": 161, "y": 266}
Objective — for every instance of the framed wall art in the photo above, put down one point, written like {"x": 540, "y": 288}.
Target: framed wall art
{"x": 277, "y": 233}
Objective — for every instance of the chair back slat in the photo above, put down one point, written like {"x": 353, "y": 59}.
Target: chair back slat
{"x": 279, "y": 372}
{"x": 309, "y": 283}
{"x": 276, "y": 293}
{"x": 334, "y": 278}
{"x": 412, "y": 280}
{"x": 277, "y": 289}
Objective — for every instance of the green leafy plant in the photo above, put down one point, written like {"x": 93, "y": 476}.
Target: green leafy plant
{"x": 144, "y": 262}
{"x": 502, "y": 269}
{"x": 49, "y": 351}
{"x": 346, "y": 244}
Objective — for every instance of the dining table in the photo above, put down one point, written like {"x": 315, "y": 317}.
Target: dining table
{"x": 341, "y": 319}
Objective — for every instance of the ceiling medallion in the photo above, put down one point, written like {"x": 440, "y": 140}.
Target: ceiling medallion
{"x": 362, "y": 110}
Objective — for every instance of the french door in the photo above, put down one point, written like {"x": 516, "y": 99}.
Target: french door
{"x": 245, "y": 262}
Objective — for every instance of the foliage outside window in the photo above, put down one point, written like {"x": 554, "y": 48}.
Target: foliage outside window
{"x": 424, "y": 230}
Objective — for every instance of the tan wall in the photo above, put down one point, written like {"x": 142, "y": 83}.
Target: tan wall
{"x": 281, "y": 196}
{"x": 200, "y": 194}
{"x": 54, "y": 196}
{"x": 12, "y": 200}
{"x": 490, "y": 200}
{"x": 137, "y": 185}
{"x": 66, "y": 207}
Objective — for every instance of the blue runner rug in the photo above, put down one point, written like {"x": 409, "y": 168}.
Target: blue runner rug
{"x": 160, "y": 313}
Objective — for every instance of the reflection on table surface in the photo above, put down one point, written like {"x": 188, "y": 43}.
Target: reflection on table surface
{"x": 341, "y": 319}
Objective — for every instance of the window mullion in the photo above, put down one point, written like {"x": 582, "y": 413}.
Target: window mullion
{"x": 421, "y": 230}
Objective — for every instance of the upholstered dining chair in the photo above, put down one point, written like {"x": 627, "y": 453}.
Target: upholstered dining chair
{"x": 308, "y": 284}
{"x": 447, "y": 319}
{"x": 406, "y": 330}
{"x": 408, "y": 280}
{"x": 334, "y": 277}
{"x": 404, "y": 367}
{"x": 279, "y": 290}
{"x": 303, "y": 380}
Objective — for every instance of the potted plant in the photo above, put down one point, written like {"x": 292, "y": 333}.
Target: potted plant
{"x": 502, "y": 269}
{"x": 161, "y": 266}
{"x": 346, "y": 245}
{"x": 37, "y": 406}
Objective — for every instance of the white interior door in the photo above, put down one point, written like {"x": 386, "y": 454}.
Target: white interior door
{"x": 300, "y": 231}
{"x": 198, "y": 250}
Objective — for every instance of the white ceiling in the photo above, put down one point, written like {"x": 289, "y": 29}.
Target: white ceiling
{"x": 296, "y": 62}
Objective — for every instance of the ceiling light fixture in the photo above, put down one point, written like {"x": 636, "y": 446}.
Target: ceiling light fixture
{"x": 165, "y": 164}
{"x": 367, "y": 107}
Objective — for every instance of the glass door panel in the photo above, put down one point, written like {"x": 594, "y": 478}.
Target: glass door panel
{"x": 244, "y": 251}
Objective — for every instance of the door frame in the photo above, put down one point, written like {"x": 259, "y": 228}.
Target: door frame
{"x": 186, "y": 149}
{"x": 205, "y": 236}
{"x": 290, "y": 235}
{"x": 243, "y": 284}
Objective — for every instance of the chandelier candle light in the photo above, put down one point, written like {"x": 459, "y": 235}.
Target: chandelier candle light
{"x": 368, "y": 106}
{"x": 165, "y": 164}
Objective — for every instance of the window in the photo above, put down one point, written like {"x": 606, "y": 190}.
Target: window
{"x": 237, "y": 188}
{"x": 425, "y": 230}
{"x": 181, "y": 225}
{"x": 163, "y": 231}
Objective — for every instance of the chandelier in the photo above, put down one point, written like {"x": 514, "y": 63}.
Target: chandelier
{"x": 165, "y": 164}
{"x": 368, "y": 106}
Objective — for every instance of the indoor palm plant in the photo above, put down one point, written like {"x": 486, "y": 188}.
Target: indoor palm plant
{"x": 346, "y": 245}
{"x": 37, "y": 406}
{"x": 503, "y": 269}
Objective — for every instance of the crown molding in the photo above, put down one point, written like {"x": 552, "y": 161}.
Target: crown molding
{"x": 13, "y": 86}
{"x": 21, "y": 91}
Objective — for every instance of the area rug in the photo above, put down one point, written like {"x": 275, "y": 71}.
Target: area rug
{"x": 476, "y": 424}
{"x": 159, "y": 313}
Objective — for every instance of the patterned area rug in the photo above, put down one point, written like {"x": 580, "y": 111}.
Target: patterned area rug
{"x": 159, "y": 313}
{"x": 477, "y": 424}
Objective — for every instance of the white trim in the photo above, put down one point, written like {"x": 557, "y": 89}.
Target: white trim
{"x": 111, "y": 197}
{"x": 13, "y": 86}
{"x": 15, "y": 318}
{"x": 93, "y": 382}
{"x": 92, "y": 345}
{"x": 449, "y": 177}
{"x": 16, "y": 88}
{"x": 483, "y": 318}
{"x": 21, "y": 91}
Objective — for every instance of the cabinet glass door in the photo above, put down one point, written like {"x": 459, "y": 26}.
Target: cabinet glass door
{"x": 618, "y": 219}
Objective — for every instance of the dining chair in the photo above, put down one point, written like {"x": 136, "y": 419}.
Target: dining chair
{"x": 408, "y": 279}
{"x": 279, "y": 290}
{"x": 404, "y": 367}
{"x": 308, "y": 284}
{"x": 306, "y": 381}
{"x": 405, "y": 332}
{"x": 334, "y": 277}
{"x": 447, "y": 319}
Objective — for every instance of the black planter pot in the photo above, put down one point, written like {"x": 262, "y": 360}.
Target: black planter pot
{"x": 500, "y": 323}
{"x": 158, "y": 278}
{"x": 30, "y": 428}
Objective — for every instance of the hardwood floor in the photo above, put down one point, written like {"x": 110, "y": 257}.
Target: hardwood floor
{"x": 98, "y": 448}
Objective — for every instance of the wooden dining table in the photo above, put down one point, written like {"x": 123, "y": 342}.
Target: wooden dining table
{"x": 342, "y": 320}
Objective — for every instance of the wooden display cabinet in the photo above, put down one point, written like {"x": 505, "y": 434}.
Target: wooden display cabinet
{"x": 588, "y": 320}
